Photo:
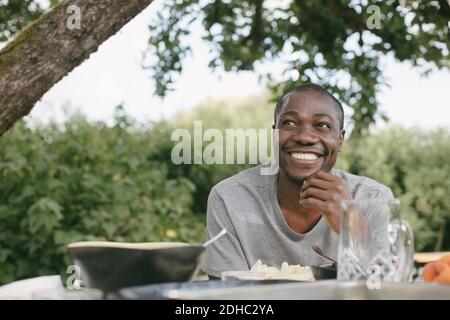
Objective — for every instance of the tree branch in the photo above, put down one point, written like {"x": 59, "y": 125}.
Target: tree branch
{"x": 47, "y": 50}
{"x": 257, "y": 31}
{"x": 444, "y": 8}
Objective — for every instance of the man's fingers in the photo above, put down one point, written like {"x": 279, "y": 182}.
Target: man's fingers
{"x": 324, "y": 176}
{"x": 317, "y": 183}
{"x": 313, "y": 192}
{"x": 314, "y": 202}
{"x": 337, "y": 185}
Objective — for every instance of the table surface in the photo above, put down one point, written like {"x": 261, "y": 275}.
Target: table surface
{"x": 318, "y": 290}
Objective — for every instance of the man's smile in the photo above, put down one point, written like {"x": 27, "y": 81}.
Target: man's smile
{"x": 308, "y": 158}
{"x": 304, "y": 156}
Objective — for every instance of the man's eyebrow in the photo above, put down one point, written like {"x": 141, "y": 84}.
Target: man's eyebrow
{"x": 292, "y": 113}
{"x": 323, "y": 115}
{"x": 295, "y": 113}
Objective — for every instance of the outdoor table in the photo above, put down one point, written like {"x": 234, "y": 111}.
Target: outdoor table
{"x": 426, "y": 257}
{"x": 318, "y": 290}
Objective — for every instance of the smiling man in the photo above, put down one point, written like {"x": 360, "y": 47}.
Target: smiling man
{"x": 279, "y": 217}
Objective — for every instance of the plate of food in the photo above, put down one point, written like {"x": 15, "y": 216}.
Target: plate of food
{"x": 261, "y": 271}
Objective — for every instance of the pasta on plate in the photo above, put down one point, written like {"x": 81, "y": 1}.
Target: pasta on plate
{"x": 286, "y": 272}
{"x": 261, "y": 271}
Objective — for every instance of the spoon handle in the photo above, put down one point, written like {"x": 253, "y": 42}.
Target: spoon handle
{"x": 319, "y": 251}
{"x": 215, "y": 238}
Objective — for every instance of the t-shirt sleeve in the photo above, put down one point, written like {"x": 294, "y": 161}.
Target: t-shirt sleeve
{"x": 226, "y": 253}
{"x": 385, "y": 194}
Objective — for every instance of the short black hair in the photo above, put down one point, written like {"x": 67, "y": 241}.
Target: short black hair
{"x": 305, "y": 88}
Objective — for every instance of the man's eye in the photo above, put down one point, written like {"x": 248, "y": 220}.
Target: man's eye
{"x": 324, "y": 125}
{"x": 288, "y": 123}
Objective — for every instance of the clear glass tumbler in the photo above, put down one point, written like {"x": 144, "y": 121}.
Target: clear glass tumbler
{"x": 375, "y": 244}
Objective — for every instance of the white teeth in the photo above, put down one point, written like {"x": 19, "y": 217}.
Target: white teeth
{"x": 304, "y": 156}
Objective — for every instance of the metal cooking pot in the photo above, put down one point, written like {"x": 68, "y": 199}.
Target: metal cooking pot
{"x": 324, "y": 272}
{"x": 110, "y": 266}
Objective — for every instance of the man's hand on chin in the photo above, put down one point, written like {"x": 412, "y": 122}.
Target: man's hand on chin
{"x": 322, "y": 192}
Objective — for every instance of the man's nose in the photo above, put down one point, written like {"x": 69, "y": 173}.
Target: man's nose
{"x": 306, "y": 136}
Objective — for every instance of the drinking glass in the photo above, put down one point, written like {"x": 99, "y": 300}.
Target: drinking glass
{"x": 374, "y": 242}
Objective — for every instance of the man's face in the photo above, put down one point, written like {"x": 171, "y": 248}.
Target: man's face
{"x": 309, "y": 135}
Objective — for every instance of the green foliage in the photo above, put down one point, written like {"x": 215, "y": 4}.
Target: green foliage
{"x": 85, "y": 181}
{"x": 16, "y": 14}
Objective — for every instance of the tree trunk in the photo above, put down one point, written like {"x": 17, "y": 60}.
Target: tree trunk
{"x": 440, "y": 237}
{"x": 47, "y": 50}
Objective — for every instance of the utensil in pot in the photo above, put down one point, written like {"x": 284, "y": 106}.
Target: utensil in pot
{"x": 319, "y": 251}
{"x": 215, "y": 238}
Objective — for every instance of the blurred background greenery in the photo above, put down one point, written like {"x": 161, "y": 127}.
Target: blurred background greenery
{"x": 83, "y": 180}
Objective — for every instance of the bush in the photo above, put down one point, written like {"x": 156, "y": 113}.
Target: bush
{"x": 85, "y": 181}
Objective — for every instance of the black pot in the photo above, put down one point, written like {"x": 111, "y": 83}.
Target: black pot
{"x": 324, "y": 272}
{"x": 109, "y": 267}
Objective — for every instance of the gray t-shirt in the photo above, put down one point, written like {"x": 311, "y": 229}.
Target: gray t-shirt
{"x": 246, "y": 204}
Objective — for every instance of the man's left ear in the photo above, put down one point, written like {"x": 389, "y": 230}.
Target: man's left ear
{"x": 341, "y": 140}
